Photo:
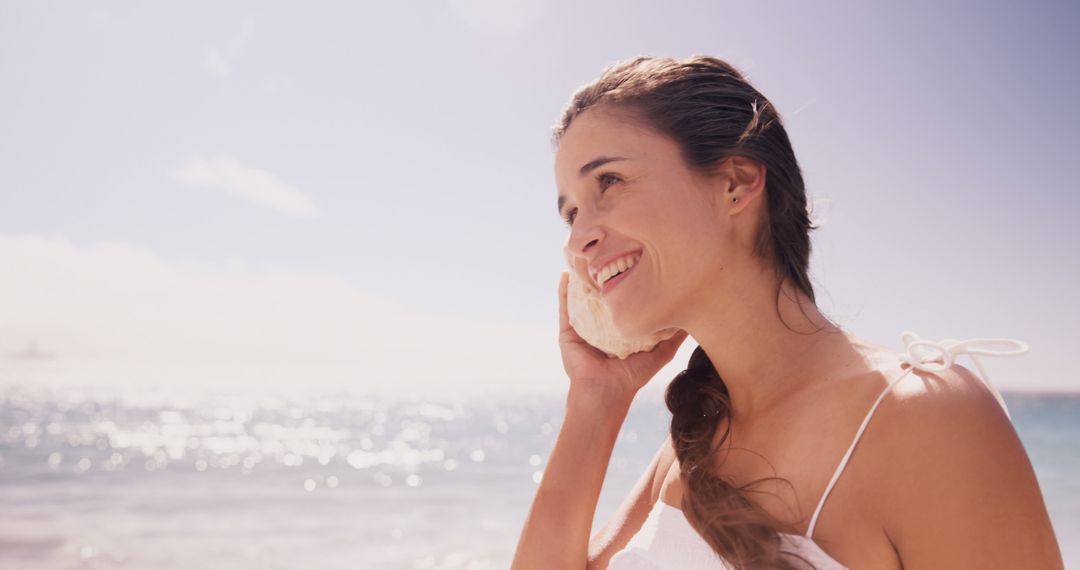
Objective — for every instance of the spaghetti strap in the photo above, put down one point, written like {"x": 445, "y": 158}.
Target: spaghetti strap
{"x": 922, "y": 354}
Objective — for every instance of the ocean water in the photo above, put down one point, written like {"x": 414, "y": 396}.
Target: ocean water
{"x": 93, "y": 480}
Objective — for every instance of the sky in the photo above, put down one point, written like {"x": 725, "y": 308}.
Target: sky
{"x": 360, "y": 196}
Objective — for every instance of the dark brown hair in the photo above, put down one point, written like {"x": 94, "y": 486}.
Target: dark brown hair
{"x": 713, "y": 113}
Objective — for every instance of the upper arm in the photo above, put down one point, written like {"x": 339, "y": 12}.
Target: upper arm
{"x": 961, "y": 492}
{"x": 633, "y": 511}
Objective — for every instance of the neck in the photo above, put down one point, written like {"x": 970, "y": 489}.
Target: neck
{"x": 763, "y": 357}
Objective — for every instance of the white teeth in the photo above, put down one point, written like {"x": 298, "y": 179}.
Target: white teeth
{"x": 615, "y": 267}
{"x": 592, "y": 318}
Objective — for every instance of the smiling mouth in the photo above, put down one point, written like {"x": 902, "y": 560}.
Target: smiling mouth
{"x": 613, "y": 281}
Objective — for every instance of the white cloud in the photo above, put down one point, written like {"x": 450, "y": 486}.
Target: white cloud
{"x": 215, "y": 63}
{"x": 224, "y": 173}
{"x": 118, "y": 315}
{"x": 220, "y": 61}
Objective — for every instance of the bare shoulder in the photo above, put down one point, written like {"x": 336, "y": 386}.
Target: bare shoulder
{"x": 956, "y": 487}
{"x": 940, "y": 396}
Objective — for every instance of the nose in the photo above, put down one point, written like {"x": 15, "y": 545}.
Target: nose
{"x": 584, "y": 234}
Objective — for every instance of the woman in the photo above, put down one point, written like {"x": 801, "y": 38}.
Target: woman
{"x": 685, "y": 169}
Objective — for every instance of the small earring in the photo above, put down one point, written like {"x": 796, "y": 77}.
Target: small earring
{"x": 734, "y": 199}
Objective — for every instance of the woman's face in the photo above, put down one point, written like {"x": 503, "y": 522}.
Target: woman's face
{"x": 627, "y": 191}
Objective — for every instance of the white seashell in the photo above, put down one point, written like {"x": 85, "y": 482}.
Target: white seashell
{"x": 592, "y": 319}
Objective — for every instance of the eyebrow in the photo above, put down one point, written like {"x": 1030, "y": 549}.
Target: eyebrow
{"x": 587, "y": 168}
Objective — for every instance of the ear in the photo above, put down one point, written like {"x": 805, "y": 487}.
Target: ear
{"x": 744, "y": 180}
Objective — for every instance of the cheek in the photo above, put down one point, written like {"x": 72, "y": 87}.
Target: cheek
{"x": 682, "y": 232}
{"x": 694, "y": 247}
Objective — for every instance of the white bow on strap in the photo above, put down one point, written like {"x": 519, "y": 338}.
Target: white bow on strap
{"x": 922, "y": 354}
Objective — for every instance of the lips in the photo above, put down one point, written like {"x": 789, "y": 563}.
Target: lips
{"x": 618, "y": 278}
{"x": 594, "y": 268}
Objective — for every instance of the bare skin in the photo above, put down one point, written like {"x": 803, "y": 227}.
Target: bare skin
{"x": 802, "y": 441}
{"x": 914, "y": 494}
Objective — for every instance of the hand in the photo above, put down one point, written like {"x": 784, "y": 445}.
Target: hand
{"x": 589, "y": 367}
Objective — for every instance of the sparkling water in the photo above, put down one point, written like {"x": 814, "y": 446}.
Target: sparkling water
{"x": 93, "y": 480}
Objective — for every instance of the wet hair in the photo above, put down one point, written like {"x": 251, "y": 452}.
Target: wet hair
{"x": 713, "y": 113}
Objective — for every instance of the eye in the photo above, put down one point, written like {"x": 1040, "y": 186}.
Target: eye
{"x": 605, "y": 179}
{"x": 569, "y": 217}
{"x": 607, "y": 176}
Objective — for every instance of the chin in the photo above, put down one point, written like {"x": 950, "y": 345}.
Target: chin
{"x": 635, "y": 318}
{"x": 633, "y": 324}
